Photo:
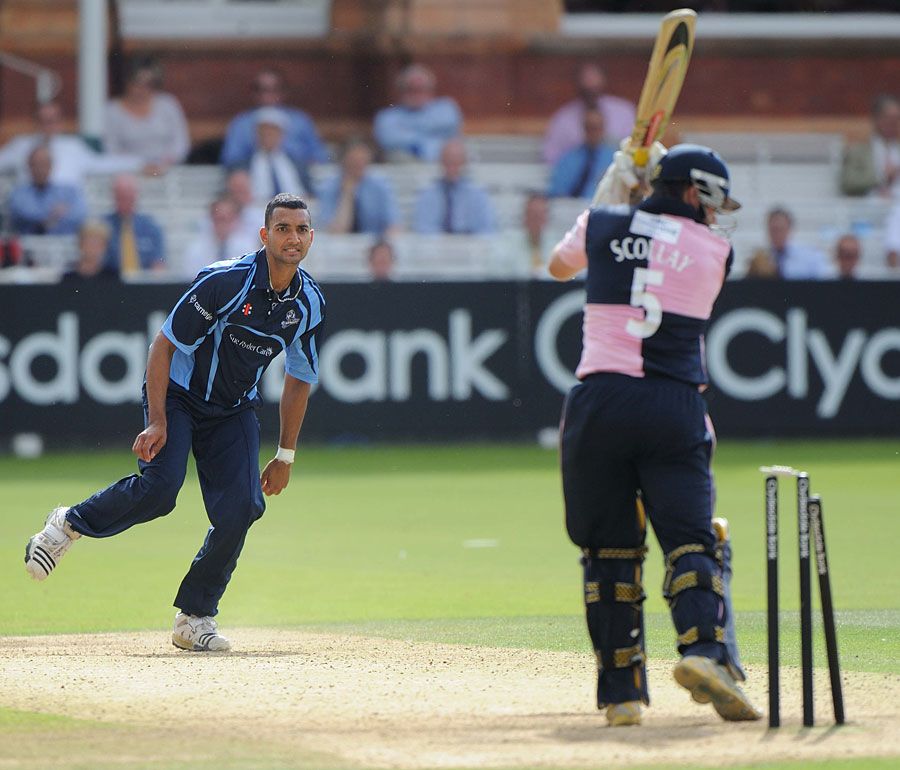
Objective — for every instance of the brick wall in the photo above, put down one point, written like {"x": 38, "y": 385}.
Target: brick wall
{"x": 504, "y": 83}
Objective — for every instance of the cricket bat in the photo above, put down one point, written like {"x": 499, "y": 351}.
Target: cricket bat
{"x": 665, "y": 75}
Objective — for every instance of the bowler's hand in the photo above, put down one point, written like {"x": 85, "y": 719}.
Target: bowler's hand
{"x": 275, "y": 477}
{"x": 150, "y": 441}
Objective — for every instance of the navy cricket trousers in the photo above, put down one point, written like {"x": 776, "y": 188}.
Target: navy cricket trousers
{"x": 225, "y": 444}
{"x": 622, "y": 436}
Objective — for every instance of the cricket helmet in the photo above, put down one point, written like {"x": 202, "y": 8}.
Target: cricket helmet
{"x": 703, "y": 168}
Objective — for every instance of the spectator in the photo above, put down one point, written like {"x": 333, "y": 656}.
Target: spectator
{"x": 301, "y": 141}
{"x": 454, "y": 203}
{"x": 783, "y": 258}
{"x": 534, "y": 227}
{"x": 357, "y": 200}
{"x": 136, "y": 240}
{"x": 847, "y": 253}
{"x": 524, "y": 248}
{"x": 892, "y": 237}
{"x": 381, "y": 260}
{"x": 272, "y": 170}
{"x": 147, "y": 122}
{"x": 93, "y": 238}
{"x": 40, "y": 207}
{"x": 239, "y": 190}
{"x": 71, "y": 156}
{"x": 873, "y": 166}
{"x": 219, "y": 238}
{"x": 418, "y": 126}
{"x": 576, "y": 173}
{"x": 566, "y": 127}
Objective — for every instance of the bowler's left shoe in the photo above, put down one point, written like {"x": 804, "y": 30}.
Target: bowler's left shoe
{"x": 48, "y": 546}
{"x": 708, "y": 681}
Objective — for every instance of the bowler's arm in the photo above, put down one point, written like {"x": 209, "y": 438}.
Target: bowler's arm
{"x": 294, "y": 398}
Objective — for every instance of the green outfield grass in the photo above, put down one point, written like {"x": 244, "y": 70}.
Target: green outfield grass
{"x": 460, "y": 544}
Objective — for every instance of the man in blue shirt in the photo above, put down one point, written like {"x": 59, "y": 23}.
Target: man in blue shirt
{"x": 357, "y": 200}
{"x": 301, "y": 140}
{"x": 784, "y": 257}
{"x": 42, "y": 207}
{"x": 454, "y": 203}
{"x": 200, "y": 392}
{"x": 417, "y": 127}
{"x": 576, "y": 173}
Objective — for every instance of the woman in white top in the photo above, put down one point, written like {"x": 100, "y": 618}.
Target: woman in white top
{"x": 147, "y": 122}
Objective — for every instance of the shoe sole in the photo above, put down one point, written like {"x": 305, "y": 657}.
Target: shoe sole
{"x": 701, "y": 678}
{"x": 38, "y": 563}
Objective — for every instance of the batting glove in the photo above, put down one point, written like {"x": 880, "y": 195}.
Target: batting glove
{"x": 625, "y": 179}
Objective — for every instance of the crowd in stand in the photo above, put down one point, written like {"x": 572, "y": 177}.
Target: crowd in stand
{"x": 273, "y": 147}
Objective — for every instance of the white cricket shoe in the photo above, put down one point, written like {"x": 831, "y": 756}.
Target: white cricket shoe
{"x": 198, "y": 634}
{"x": 48, "y": 546}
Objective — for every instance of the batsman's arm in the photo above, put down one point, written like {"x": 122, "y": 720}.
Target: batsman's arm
{"x": 569, "y": 256}
{"x": 159, "y": 361}
{"x": 294, "y": 398}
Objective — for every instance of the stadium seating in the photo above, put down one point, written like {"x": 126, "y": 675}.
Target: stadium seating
{"x": 798, "y": 171}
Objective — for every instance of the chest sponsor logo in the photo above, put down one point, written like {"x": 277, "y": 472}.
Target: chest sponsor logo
{"x": 262, "y": 350}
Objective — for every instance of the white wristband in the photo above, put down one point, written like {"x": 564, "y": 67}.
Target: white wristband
{"x": 285, "y": 455}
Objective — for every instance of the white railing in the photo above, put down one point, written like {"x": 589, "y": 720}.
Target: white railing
{"x": 207, "y": 19}
{"x": 46, "y": 82}
{"x": 739, "y": 26}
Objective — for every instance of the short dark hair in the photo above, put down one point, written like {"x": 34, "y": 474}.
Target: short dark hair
{"x": 780, "y": 211}
{"x": 284, "y": 201}
{"x": 381, "y": 244}
{"x": 146, "y": 64}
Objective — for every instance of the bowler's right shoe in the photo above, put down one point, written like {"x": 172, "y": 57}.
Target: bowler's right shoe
{"x": 624, "y": 714}
{"x": 708, "y": 681}
{"x": 48, "y": 546}
{"x": 198, "y": 634}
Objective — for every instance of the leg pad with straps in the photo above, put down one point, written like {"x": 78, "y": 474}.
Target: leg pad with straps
{"x": 694, "y": 589}
{"x": 613, "y": 595}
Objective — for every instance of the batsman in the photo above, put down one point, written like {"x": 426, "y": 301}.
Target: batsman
{"x": 636, "y": 440}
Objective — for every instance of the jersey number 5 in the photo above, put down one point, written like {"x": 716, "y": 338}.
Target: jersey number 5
{"x": 640, "y": 297}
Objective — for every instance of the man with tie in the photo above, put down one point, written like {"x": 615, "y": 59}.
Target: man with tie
{"x": 136, "y": 240}
{"x": 454, "y": 203}
{"x": 784, "y": 257}
{"x": 219, "y": 237}
{"x": 576, "y": 173}
{"x": 272, "y": 171}
{"x": 357, "y": 200}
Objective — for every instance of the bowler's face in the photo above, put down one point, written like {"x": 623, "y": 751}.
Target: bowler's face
{"x": 288, "y": 236}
